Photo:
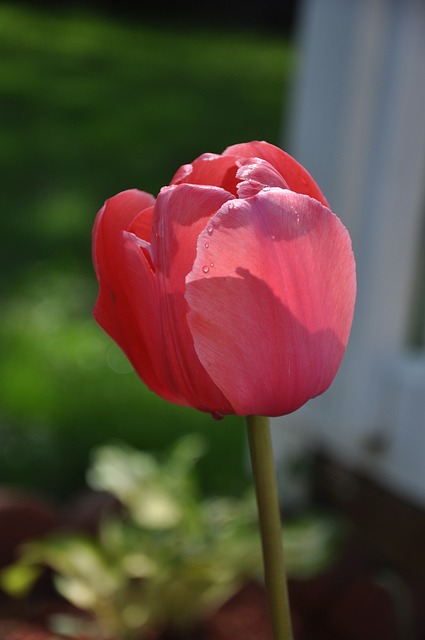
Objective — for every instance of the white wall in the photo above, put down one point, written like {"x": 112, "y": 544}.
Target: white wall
{"x": 358, "y": 126}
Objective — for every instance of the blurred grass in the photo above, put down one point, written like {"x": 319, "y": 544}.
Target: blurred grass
{"x": 90, "y": 106}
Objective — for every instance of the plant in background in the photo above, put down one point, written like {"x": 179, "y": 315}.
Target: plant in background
{"x": 167, "y": 558}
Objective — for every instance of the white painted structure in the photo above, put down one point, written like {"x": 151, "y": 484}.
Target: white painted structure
{"x": 358, "y": 126}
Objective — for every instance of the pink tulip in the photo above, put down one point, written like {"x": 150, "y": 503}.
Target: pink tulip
{"x": 233, "y": 292}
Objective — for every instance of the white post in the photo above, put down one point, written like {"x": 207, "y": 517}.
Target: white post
{"x": 358, "y": 125}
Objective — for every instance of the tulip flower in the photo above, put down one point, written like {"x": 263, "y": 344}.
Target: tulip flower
{"x": 232, "y": 292}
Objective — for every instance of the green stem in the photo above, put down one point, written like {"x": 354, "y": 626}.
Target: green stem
{"x": 270, "y": 525}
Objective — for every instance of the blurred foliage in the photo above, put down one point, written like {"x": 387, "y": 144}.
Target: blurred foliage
{"x": 170, "y": 557}
{"x": 90, "y": 106}
{"x": 65, "y": 387}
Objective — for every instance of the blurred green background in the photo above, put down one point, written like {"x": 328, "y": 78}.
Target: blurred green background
{"x": 91, "y": 104}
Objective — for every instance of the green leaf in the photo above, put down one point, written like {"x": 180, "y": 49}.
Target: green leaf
{"x": 18, "y": 579}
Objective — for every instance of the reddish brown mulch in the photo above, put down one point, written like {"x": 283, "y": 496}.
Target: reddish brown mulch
{"x": 245, "y": 616}
{"x": 18, "y": 630}
{"x": 327, "y": 608}
{"x": 355, "y": 600}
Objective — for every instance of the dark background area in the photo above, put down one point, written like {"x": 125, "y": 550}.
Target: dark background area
{"x": 275, "y": 15}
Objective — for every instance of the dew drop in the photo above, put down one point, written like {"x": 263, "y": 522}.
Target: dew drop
{"x": 210, "y": 229}
{"x": 205, "y": 269}
{"x": 298, "y": 217}
{"x": 211, "y": 264}
{"x": 206, "y": 245}
{"x": 266, "y": 188}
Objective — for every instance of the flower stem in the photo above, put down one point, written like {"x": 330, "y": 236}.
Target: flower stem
{"x": 270, "y": 525}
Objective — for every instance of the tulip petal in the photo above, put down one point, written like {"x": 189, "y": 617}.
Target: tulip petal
{"x": 141, "y": 225}
{"x": 257, "y": 174}
{"x": 125, "y": 278}
{"x": 181, "y": 213}
{"x": 209, "y": 169}
{"x": 296, "y": 177}
{"x": 122, "y": 209}
{"x": 270, "y": 320}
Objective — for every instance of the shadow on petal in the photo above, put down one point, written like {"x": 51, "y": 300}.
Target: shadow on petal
{"x": 262, "y": 358}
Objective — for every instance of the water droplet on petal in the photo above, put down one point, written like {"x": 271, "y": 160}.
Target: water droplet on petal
{"x": 205, "y": 269}
{"x": 211, "y": 264}
{"x": 210, "y": 229}
{"x": 266, "y": 188}
{"x": 206, "y": 245}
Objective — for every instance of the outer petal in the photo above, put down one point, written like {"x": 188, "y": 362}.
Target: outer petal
{"x": 296, "y": 177}
{"x": 271, "y": 318}
{"x": 127, "y": 294}
{"x": 121, "y": 211}
{"x": 181, "y": 213}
